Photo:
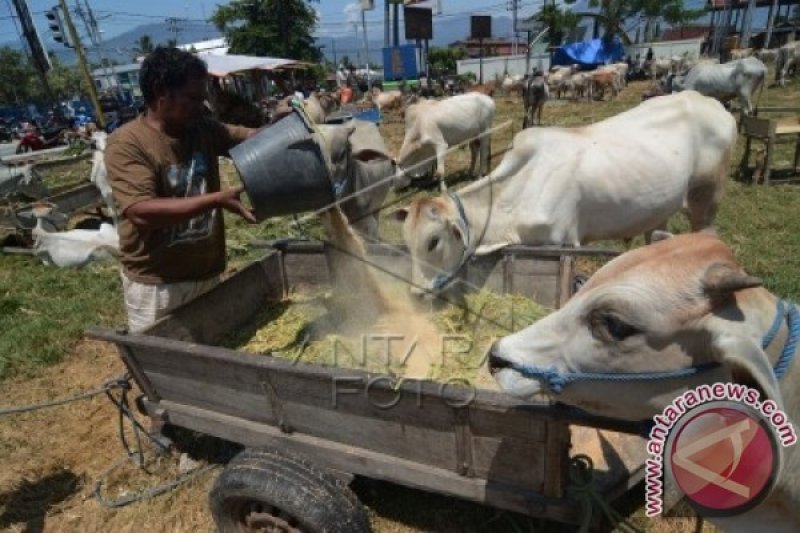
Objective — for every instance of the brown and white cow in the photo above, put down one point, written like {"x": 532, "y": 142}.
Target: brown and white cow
{"x": 679, "y": 303}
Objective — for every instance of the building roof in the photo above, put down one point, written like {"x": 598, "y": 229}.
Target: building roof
{"x": 116, "y": 69}
{"x": 225, "y": 65}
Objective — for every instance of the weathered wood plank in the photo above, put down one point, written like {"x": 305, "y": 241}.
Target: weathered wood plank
{"x": 207, "y": 319}
{"x": 374, "y": 464}
{"x": 556, "y": 459}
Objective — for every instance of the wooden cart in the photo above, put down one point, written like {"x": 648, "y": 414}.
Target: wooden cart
{"x": 309, "y": 427}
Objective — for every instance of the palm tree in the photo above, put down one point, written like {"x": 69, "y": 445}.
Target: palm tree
{"x": 143, "y": 46}
{"x": 612, "y": 16}
{"x": 560, "y": 21}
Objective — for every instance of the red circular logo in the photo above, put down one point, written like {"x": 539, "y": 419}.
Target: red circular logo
{"x": 724, "y": 458}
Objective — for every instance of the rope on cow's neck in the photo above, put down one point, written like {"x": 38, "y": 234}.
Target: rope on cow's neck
{"x": 786, "y": 312}
{"x": 442, "y": 280}
{"x": 581, "y": 470}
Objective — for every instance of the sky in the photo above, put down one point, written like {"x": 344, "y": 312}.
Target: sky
{"x": 118, "y": 16}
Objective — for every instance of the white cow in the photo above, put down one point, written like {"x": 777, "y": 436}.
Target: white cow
{"x": 788, "y": 59}
{"x": 680, "y": 303}
{"x": 74, "y": 248}
{"x": 431, "y": 129}
{"x": 742, "y": 78}
{"x": 611, "y": 180}
{"x": 99, "y": 174}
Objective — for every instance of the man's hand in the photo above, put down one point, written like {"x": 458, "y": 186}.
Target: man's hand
{"x": 230, "y": 200}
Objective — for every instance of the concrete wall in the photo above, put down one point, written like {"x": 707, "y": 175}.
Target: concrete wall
{"x": 691, "y": 47}
{"x": 497, "y": 66}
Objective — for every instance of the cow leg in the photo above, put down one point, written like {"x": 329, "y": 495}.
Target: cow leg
{"x": 486, "y": 154}
{"x": 702, "y": 203}
{"x": 441, "y": 152}
{"x": 474, "y": 147}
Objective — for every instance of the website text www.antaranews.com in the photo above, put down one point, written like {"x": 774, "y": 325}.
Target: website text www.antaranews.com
{"x": 689, "y": 400}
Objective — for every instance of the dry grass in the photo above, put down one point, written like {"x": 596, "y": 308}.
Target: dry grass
{"x": 51, "y": 459}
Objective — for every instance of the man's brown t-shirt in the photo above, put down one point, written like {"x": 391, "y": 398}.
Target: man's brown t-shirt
{"x": 144, "y": 163}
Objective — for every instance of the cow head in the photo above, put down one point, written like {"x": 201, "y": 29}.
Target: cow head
{"x": 675, "y": 304}
{"x": 350, "y": 143}
{"x": 436, "y": 240}
{"x": 417, "y": 155}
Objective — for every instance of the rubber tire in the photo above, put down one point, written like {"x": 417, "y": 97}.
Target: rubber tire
{"x": 319, "y": 501}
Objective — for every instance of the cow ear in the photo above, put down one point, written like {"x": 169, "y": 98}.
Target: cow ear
{"x": 399, "y": 215}
{"x": 748, "y": 365}
{"x": 659, "y": 235}
{"x": 457, "y": 233}
{"x": 722, "y": 279}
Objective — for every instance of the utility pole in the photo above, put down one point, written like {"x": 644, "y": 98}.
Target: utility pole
{"x": 38, "y": 56}
{"x": 174, "y": 29}
{"x": 87, "y": 76}
{"x": 90, "y": 23}
{"x": 333, "y": 49}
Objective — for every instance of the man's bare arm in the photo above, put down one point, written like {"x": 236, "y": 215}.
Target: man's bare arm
{"x": 164, "y": 212}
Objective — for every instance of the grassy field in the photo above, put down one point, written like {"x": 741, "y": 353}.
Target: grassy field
{"x": 51, "y": 459}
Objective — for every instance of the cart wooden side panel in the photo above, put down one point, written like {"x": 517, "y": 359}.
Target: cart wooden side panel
{"x": 478, "y": 445}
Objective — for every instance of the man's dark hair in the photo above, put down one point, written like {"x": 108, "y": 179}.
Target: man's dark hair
{"x": 167, "y": 69}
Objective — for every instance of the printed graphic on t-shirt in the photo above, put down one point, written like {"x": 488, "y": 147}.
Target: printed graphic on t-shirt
{"x": 185, "y": 181}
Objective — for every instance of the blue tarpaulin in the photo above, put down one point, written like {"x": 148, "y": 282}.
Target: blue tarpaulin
{"x": 589, "y": 54}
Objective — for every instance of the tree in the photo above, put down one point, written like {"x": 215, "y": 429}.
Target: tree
{"x": 673, "y": 12}
{"x": 143, "y": 46}
{"x": 443, "y": 60}
{"x": 612, "y": 16}
{"x": 65, "y": 81}
{"x": 280, "y": 28}
{"x": 16, "y": 82}
{"x": 560, "y": 21}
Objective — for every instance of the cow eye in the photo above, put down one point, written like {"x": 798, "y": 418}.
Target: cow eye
{"x": 433, "y": 244}
{"x": 618, "y": 329}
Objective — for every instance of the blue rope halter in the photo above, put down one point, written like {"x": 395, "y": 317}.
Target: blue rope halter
{"x": 556, "y": 381}
{"x": 443, "y": 279}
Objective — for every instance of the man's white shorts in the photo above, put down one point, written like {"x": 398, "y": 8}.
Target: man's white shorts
{"x": 147, "y": 303}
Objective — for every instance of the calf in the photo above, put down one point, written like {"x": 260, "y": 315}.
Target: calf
{"x": 742, "y": 78}
{"x": 433, "y": 126}
{"x": 602, "y": 81}
{"x": 788, "y": 59}
{"x": 536, "y": 95}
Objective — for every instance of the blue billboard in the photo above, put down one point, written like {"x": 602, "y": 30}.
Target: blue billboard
{"x": 400, "y": 62}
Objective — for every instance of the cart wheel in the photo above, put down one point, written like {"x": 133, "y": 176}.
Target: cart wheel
{"x": 271, "y": 491}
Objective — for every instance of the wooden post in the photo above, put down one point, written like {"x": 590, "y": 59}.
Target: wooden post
{"x": 770, "y": 22}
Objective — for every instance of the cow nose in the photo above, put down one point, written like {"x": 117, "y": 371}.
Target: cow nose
{"x": 496, "y": 363}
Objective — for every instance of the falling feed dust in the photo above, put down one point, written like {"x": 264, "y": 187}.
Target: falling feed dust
{"x": 371, "y": 324}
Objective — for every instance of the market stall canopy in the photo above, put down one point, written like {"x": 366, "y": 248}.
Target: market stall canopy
{"x": 589, "y": 54}
{"x": 226, "y": 65}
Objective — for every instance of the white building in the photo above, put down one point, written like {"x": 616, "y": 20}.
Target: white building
{"x": 124, "y": 78}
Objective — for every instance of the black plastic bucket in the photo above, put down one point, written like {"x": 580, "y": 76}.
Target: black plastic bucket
{"x": 283, "y": 169}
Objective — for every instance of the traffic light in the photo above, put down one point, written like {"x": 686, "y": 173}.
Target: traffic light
{"x": 56, "y": 25}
